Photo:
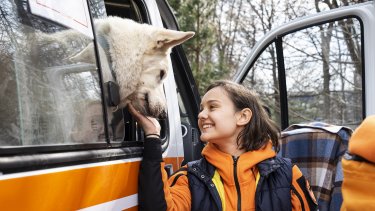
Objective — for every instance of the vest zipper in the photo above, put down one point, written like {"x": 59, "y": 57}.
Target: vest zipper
{"x": 235, "y": 159}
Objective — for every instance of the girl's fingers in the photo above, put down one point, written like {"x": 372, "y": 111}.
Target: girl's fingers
{"x": 155, "y": 122}
{"x": 149, "y": 124}
{"x": 138, "y": 116}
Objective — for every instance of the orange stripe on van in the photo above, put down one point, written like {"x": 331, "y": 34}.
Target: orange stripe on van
{"x": 71, "y": 189}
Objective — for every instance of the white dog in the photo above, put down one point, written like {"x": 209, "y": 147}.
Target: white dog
{"x": 139, "y": 59}
{"x": 135, "y": 56}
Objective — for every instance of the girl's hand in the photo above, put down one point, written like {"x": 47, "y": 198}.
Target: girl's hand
{"x": 149, "y": 124}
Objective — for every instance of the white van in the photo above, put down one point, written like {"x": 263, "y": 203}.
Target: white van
{"x": 47, "y": 164}
{"x": 48, "y": 159}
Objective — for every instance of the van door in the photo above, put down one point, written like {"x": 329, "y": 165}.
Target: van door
{"x": 317, "y": 68}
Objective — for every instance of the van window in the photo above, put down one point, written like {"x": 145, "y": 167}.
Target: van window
{"x": 46, "y": 97}
{"x": 324, "y": 73}
{"x": 323, "y": 70}
{"x": 121, "y": 125}
{"x": 263, "y": 77}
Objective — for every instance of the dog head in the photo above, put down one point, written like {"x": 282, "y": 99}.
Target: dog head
{"x": 139, "y": 55}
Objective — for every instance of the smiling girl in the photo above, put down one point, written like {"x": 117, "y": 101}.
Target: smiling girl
{"x": 239, "y": 169}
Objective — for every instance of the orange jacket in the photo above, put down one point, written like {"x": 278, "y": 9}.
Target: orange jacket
{"x": 362, "y": 142}
{"x": 177, "y": 193}
{"x": 359, "y": 172}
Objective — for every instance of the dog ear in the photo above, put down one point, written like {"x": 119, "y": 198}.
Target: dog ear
{"x": 166, "y": 38}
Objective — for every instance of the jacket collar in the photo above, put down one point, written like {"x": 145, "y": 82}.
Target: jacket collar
{"x": 224, "y": 163}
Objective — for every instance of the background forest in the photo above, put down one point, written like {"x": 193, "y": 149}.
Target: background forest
{"x": 226, "y": 30}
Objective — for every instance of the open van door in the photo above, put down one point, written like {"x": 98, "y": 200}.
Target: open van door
{"x": 317, "y": 68}
{"x": 312, "y": 71}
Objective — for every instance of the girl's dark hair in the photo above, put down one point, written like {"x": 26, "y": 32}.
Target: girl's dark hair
{"x": 261, "y": 128}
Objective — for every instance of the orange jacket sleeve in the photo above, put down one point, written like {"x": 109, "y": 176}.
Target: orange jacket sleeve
{"x": 176, "y": 190}
{"x": 155, "y": 190}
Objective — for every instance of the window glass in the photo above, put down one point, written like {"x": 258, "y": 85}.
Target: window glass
{"x": 324, "y": 73}
{"x": 263, "y": 78}
{"x": 183, "y": 112}
{"x": 46, "y": 96}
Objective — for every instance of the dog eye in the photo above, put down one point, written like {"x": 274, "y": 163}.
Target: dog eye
{"x": 162, "y": 74}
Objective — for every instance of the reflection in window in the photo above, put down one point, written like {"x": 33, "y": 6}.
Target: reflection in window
{"x": 324, "y": 73}
{"x": 45, "y": 97}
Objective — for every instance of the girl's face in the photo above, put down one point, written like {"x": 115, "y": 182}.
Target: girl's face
{"x": 218, "y": 118}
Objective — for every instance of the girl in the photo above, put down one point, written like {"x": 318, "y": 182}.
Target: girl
{"x": 239, "y": 169}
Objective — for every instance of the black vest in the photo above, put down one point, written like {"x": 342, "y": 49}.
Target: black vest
{"x": 272, "y": 193}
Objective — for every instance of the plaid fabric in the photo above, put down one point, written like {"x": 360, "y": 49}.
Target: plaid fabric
{"x": 317, "y": 148}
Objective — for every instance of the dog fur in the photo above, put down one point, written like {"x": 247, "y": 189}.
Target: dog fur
{"x": 138, "y": 54}
{"x": 139, "y": 58}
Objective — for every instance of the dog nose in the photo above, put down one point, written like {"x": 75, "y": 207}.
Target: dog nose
{"x": 146, "y": 97}
{"x": 163, "y": 115}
